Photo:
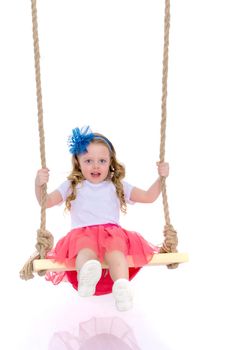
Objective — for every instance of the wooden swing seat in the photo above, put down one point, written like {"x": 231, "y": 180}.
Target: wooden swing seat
{"x": 158, "y": 259}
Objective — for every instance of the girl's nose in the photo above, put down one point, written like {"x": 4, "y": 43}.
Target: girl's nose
{"x": 96, "y": 165}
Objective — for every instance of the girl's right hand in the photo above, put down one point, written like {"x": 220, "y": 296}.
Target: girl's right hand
{"x": 42, "y": 177}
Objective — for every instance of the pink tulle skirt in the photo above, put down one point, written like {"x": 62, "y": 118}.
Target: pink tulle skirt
{"x": 101, "y": 239}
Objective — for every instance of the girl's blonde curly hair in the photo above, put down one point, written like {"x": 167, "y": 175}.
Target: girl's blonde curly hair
{"x": 116, "y": 173}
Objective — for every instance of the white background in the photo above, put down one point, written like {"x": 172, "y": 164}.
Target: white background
{"x": 101, "y": 64}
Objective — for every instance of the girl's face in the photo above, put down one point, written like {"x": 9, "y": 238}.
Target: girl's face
{"x": 95, "y": 163}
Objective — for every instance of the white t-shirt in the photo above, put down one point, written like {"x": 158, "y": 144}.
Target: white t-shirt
{"x": 95, "y": 204}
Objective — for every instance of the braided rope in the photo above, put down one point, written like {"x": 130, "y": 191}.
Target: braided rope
{"x": 170, "y": 236}
{"x": 44, "y": 238}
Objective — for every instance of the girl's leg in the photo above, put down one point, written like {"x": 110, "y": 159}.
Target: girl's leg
{"x": 83, "y": 256}
{"x": 119, "y": 272}
{"x": 118, "y": 265}
{"x": 89, "y": 272}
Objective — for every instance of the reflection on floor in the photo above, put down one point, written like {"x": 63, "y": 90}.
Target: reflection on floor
{"x": 97, "y": 334}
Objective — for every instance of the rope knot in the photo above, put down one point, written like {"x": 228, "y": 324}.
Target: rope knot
{"x": 27, "y": 271}
{"x": 44, "y": 242}
{"x": 170, "y": 243}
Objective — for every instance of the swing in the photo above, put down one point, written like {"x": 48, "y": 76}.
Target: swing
{"x": 168, "y": 254}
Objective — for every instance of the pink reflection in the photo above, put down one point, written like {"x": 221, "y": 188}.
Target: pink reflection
{"x": 97, "y": 334}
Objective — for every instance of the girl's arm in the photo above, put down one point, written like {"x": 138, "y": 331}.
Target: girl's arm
{"x": 149, "y": 196}
{"x": 54, "y": 198}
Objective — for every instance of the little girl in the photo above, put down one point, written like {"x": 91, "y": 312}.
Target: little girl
{"x": 94, "y": 193}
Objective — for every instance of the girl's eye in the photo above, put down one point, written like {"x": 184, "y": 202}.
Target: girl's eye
{"x": 102, "y": 161}
{"x": 88, "y": 161}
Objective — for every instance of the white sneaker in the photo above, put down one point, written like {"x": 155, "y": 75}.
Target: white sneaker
{"x": 88, "y": 277}
{"x": 123, "y": 294}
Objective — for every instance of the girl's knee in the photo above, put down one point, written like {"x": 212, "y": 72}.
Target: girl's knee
{"x": 84, "y": 255}
{"x": 115, "y": 257}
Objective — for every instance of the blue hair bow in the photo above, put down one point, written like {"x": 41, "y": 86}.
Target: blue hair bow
{"x": 79, "y": 140}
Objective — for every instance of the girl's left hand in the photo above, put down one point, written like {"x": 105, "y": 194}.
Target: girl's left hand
{"x": 163, "y": 169}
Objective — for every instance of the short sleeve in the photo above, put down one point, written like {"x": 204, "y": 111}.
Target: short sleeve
{"x": 64, "y": 189}
{"x": 127, "y": 191}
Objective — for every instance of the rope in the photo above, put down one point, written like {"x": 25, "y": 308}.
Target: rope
{"x": 170, "y": 236}
{"x": 44, "y": 238}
